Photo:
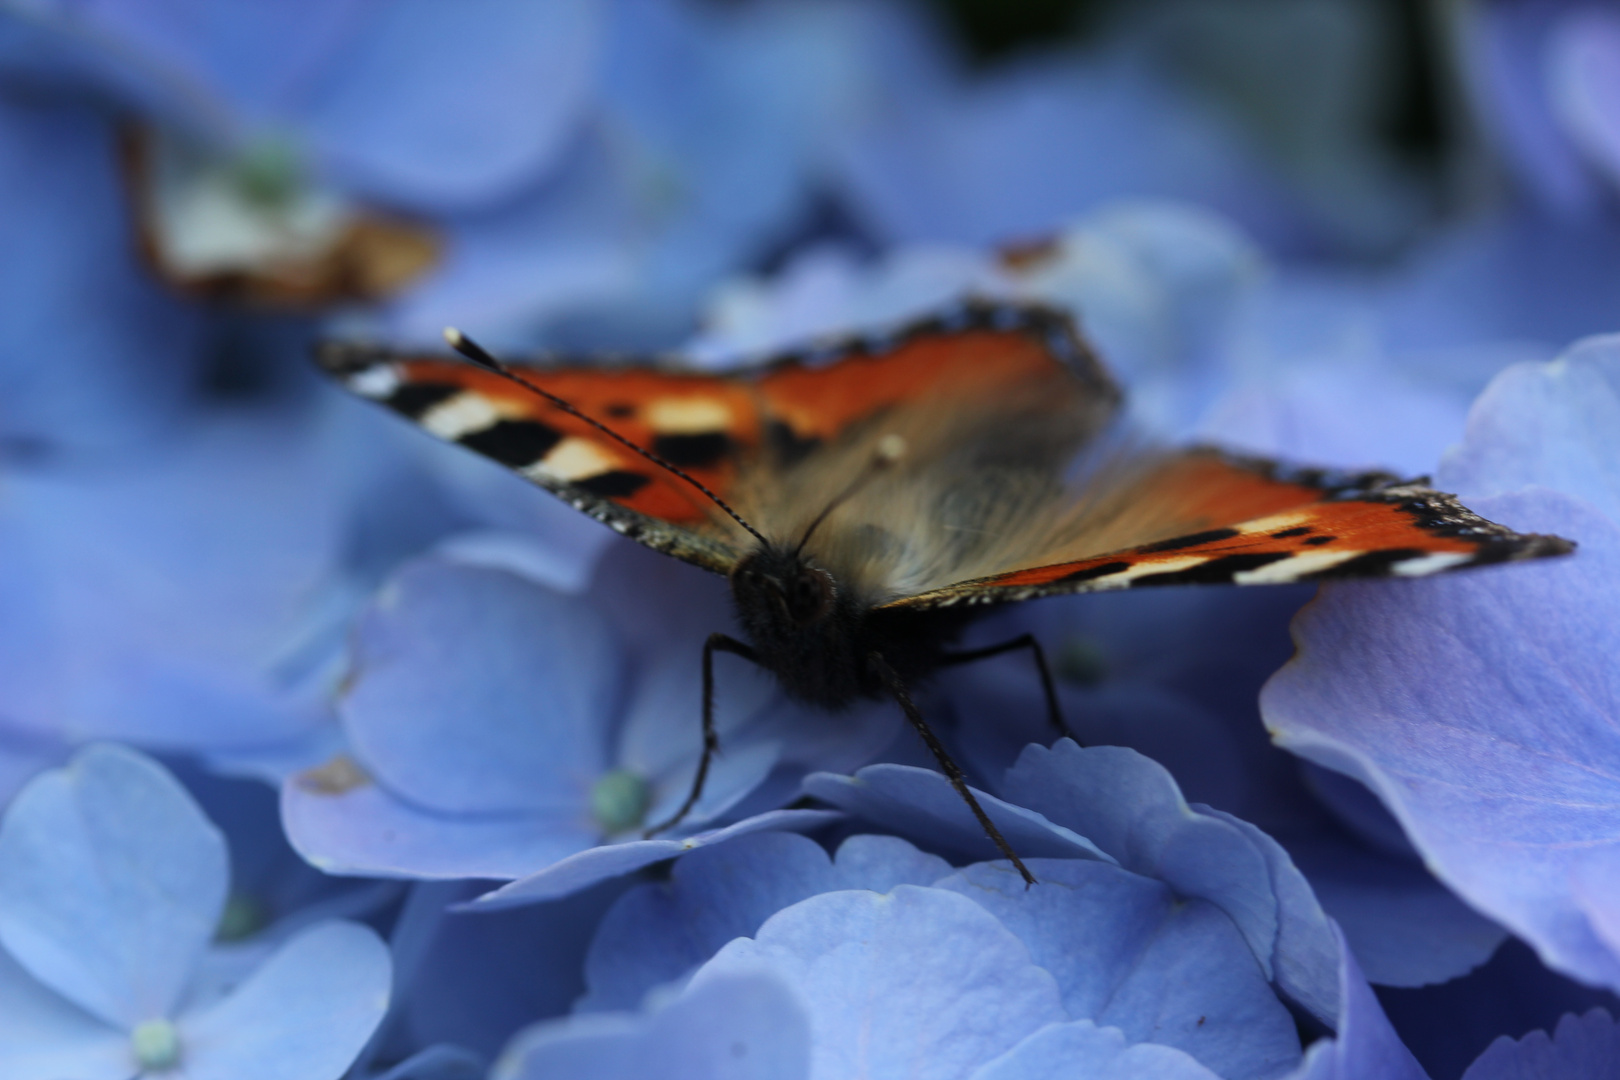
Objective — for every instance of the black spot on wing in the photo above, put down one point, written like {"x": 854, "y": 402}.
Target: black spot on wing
{"x": 619, "y": 410}
{"x": 414, "y": 399}
{"x": 514, "y": 443}
{"x": 613, "y": 485}
{"x": 1215, "y": 571}
{"x": 1368, "y": 564}
{"x": 1191, "y": 540}
{"x": 1096, "y": 571}
{"x": 692, "y": 451}
{"x": 1318, "y": 541}
{"x": 787, "y": 445}
{"x": 1300, "y": 530}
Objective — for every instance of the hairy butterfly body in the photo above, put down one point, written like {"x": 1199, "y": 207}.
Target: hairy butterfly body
{"x": 866, "y": 499}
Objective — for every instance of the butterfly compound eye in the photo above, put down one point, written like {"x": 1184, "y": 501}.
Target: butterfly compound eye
{"x": 809, "y": 595}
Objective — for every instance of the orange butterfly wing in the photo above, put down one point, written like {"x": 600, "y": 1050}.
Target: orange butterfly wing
{"x": 1262, "y": 525}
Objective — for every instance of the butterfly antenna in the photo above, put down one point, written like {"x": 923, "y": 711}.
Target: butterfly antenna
{"x": 475, "y": 352}
{"x": 890, "y": 449}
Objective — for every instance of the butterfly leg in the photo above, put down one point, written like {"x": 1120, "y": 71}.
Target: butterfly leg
{"x": 1054, "y": 712}
{"x": 711, "y": 739}
{"x": 897, "y": 687}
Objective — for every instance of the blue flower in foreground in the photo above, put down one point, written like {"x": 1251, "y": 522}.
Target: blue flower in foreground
{"x": 897, "y": 964}
{"x": 111, "y": 885}
{"x": 499, "y": 727}
{"x": 1483, "y": 709}
{"x": 1582, "y": 1048}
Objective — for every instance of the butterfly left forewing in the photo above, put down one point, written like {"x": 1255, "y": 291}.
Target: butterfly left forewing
{"x": 1249, "y": 522}
{"x": 704, "y": 424}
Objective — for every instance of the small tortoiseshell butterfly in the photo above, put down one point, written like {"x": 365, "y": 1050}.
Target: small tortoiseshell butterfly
{"x": 866, "y": 499}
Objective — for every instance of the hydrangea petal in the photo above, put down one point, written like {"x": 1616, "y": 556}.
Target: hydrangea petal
{"x": 1081, "y": 1048}
{"x": 747, "y": 1026}
{"x": 439, "y": 1062}
{"x": 360, "y": 827}
{"x": 111, "y": 884}
{"x": 921, "y": 805}
{"x": 440, "y": 106}
{"x": 1582, "y": 58}
{"x": 476, "y": 691}
{"x": 1554, "y": 425}
{"x": 1582, "y": 1048}
{"x": 303, "y": 1015}
{"x": 1128, "y": 953}
{"x": 1365, "y": 1046}
{"x": 884, "y": 998}
{"x": 122, "y": 353}
{"x": 657, "y": 933}
{"x": 1483, "y": 712}
{"x": 1131, "y": 808}
{"x": 611, "y": 860}
{"x": 44, "y": 1037}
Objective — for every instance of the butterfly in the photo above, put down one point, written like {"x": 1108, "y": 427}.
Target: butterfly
{"x": 867, "y": 497}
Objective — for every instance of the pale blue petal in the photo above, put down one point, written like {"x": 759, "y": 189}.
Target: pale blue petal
{"x": 476, "y": 691}
{"x": 1131, "y": 808}
{"x": 749, "y": 1026}
{"x": 369, "y": 830}
{"x": 1483, "y": 710}
{"x": 611, "y": 860}
{"x": 657, "y": 933}
{"x": 45, "y": 1037}
{"x": 111, "y": 884}
{"x": 1582, "y": 1048}
{"x": 304, "y": 1015}
{"x": 921, "y": 805}
{"x": 1081, "y": 1048}
{"x": 919, "y": 982}
{"x": 1364, "y": 1047}
{"x": 438, "y": 106}
{"x": 1551, "y": 425}
{"x": 1128, "y": 953}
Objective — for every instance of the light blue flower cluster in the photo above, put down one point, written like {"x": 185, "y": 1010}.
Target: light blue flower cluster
{"x": 326, "y": 751}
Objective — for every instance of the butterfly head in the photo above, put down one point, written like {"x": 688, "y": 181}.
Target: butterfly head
{"x": 780, "y": 585}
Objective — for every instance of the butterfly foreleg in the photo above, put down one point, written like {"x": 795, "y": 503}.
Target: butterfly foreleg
{"x": 1054, "y": 712}
{"x": 897, "y": 688}
{"x": 711, "y": 738}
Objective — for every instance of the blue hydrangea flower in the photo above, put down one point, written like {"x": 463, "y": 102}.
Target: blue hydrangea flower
{"x": 498, "y": 727}
{"x": 1481, "y": 709}
{"x": 111, "y": 885}
{"x": 899, "y": 964}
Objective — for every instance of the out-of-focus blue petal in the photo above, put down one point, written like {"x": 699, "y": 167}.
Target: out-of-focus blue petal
{"x": 190, "y": 630}
{"x": 658, "y": 933}
{"x": 437, "y": 106}
{"x": 749, "y": 1026}
{"x": 1482, "y": 712}
{"x": 111, "y": 884}
{"x": 1582, "y": 56}
{"x": 921, "y": 805}
{"x": 1504, "y": 53}
{"x": 476, "y": 691}
{"x": 357, "y": 827}
{"x": 606, "y": 861}
{"x": 44, "y": 1037}
{"x": 1551, "y": 425}
{"x": 511, "y": 269}
{"x": 439, "y": 1062}
{"x": 1081, "y": 1048}
{"x": 93, "y": 354}
{"x": 978, "y": 163}
{"x": 1582, "y": 1048}
{"x": 918, "y": 982}
{"x": 1129, "y": 953}
{"x": 304, "y": 1015}
{"x": 1364, "y": 1047}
